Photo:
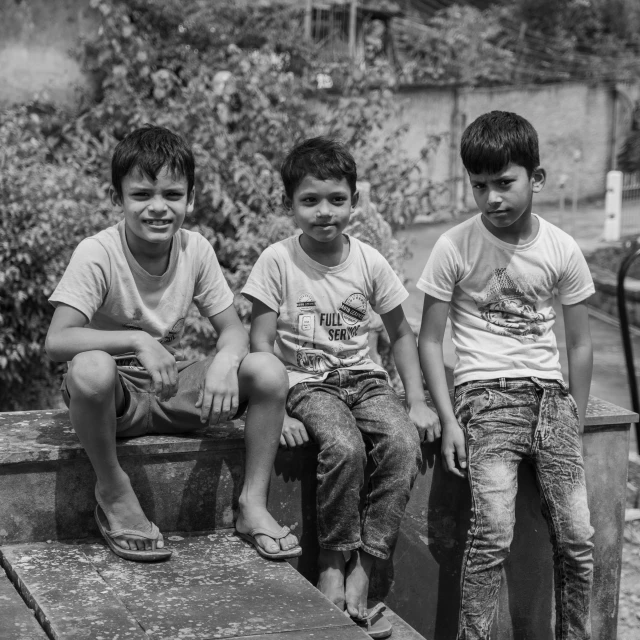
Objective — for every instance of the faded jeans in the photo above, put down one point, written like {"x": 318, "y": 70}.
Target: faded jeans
{"x": 507, "y": 421}
{"x": 343, "y": 413}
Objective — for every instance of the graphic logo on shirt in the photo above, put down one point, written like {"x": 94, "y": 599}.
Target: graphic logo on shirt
{"x": 507, "y": 310}
{"x": 321, "y": 337}
{"x": 354, "y": 308}
{"x": 305, "y": 301}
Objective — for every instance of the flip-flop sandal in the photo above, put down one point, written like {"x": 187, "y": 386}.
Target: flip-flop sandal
{"x": 276, "y": 535}
{"x": 375, "y": 624}
{"x": 149, "y": 555}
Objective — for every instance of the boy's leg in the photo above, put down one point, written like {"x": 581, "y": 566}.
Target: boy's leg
{"x": 498, "y": 427}
{"x": 383, "y": 420}
{"x": 96, "y": 397}
{"x": 322, "y": 409}
{"x": 263, "y": 383}
{"x": 560, "y": 472}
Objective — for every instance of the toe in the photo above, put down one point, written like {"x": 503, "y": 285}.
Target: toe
{"x": 268, "y": 544}
{"x": 352, "y": 610}
{"x": 289, "y": 542}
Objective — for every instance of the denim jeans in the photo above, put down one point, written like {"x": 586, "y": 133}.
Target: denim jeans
{"x": 342, "y": 413}
{"x": 507, "y": 421}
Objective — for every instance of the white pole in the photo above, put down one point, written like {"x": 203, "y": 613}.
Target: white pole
{"x": 613, "y": 207}
{"x": 308, "y": 17}
{"x": 353, "y": 17}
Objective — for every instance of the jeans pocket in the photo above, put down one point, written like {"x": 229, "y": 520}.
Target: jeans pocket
{"x": 471, "y": 401}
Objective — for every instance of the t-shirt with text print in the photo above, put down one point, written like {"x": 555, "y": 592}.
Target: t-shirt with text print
{"x": 323, "y": 312}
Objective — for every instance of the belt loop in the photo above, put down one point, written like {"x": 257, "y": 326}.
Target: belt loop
{"x": 503, "y": 383}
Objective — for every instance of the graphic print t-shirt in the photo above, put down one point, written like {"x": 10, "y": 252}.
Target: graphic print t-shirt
{"x": 323, "y": 312}
{"x": 501, "y": 298}
{"x": 105, "y": 282}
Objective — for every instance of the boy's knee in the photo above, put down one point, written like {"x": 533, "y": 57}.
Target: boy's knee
{"x": 264, "y": 375}
{"x": 347, "y": 452}
{"x": 92, "y": 374}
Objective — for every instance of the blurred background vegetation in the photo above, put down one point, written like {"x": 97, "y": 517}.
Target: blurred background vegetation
{"x": 243, "y": 85}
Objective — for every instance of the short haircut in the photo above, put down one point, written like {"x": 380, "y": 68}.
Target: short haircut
{"x": 494, "y": 140}
{"x": 149, "y": 149}
{"x": 323, "y": 158}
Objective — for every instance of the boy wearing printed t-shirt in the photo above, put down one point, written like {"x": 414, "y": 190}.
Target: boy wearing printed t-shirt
{"x": 312, "y": 296}
{"x": 494, "y": 276}
{"x": 120, "y": 310}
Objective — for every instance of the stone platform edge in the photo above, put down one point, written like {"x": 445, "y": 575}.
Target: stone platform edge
{"x": 47, "y": 435}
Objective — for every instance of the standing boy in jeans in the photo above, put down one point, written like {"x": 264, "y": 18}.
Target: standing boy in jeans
{"x": 495, "y": 276}
{"x": 312, "y": 295}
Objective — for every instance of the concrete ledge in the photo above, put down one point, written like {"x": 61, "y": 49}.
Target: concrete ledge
{"x": 47, "y": 436}
{"x": 191, "y": 483}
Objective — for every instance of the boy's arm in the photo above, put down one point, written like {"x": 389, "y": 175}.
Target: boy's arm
{"x": 405, "y": 355}
{"x": 219, "y": 396}
{"x": 580, "y": 354}
{"x": 264, "y": 322}
{"x": 434, "y": 321}
{"x": 68, "y": 336}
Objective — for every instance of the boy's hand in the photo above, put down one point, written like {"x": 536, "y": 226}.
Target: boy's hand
{"x": 219, "y": 396}
{"x": 161, "y": 365}
{"x": 426, "y": 421}
{"x": 453, "y": 447}
{"x": 293, "y": 433}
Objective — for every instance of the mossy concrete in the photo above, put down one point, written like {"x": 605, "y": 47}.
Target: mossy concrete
{"x": 191, "y": 483}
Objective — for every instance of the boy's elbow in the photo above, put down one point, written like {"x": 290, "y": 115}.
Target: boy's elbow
{"x": 52, "y": 349}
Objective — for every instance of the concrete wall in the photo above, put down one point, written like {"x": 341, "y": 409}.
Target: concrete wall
{"x": 569, "y": 118}
{"x": 35, "y": 39}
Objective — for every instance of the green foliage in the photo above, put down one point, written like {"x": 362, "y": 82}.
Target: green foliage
{"x": 235, "y": 82}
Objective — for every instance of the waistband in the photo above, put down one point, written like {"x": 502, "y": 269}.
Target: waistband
{"x": 505, "y": 384}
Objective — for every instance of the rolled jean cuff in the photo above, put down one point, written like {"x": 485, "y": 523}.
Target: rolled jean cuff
{"x": 341, "y": 547}
{"x": 375, "y": 553}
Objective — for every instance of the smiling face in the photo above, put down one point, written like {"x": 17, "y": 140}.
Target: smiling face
{"x": 153, "y": 210}
{"x": 322, "y": 208}
{"x": 505, "y": 198}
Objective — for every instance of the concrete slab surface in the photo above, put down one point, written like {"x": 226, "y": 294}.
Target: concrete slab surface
{"x": 16, "y": 619}
{"x": 214, "y": 586}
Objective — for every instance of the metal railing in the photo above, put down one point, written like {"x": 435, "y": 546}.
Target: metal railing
{"x": 626, "y": 335}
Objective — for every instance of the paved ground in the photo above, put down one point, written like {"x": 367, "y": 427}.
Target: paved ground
{"x": 609, "y": 376}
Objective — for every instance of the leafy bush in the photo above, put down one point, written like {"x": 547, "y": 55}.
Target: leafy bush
{"x": 236, "y": 83}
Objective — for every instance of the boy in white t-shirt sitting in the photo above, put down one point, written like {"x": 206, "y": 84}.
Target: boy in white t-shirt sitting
{"x": 312, "y": 296}
{"x": 494, "y": 276}
{"x": 120, "y": 310}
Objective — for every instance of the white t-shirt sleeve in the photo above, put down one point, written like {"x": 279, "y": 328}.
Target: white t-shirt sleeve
{"x": 265, "y": 281}
{"x": 211, "y": 293}
{"x": 388, "y": 290}
{"x": 575, "y": 283}
{"x": 440, "y": 274}
{"x": 85, "y": 282}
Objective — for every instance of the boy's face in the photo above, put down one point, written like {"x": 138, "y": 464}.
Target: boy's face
{"x": 505, "y": 198}
{"x": 322, "y": 208}
{"x": 153, "y": 210}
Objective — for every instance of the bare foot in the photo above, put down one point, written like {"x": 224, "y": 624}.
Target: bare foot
{"x": 357, "y": 583}
{"x": 331, "y": 565}
{"x": 120, "y": 505}
{"x": 252, "y": 516}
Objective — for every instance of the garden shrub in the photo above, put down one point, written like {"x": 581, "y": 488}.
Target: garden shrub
{"x": 236, "y": 83}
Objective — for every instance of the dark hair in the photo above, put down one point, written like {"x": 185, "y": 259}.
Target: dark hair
{"x": 323, "y": 158}
{"x": 495, "y": 139}
{"x": 149, "y": 149}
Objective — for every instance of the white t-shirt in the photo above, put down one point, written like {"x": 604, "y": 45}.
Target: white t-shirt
{"x": 501, "y": 298}
{"x": 105, "y": 282}
{"x": 323, "y": 312}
